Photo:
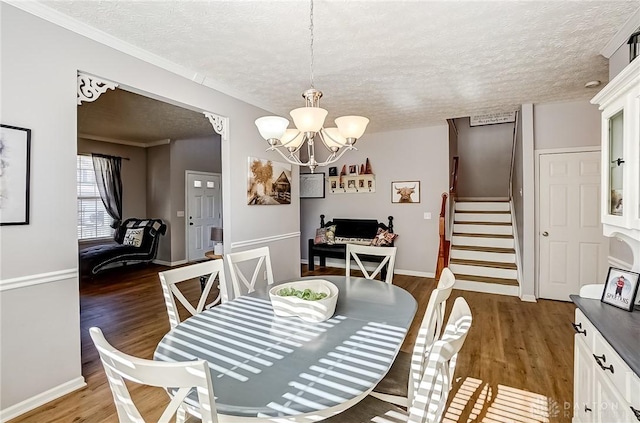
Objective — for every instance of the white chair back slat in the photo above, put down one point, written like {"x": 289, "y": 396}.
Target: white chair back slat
{"x": 354, "y": 252}
{"x": 429, "y": 400}
{"x": 430, "y": 330}
{"x": 238, "y": 261}
{"x": 183, "y": 376}
{"x": 170, "y": 279}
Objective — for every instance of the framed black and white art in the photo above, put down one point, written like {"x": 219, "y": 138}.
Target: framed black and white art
{"x": 15, "y": 145}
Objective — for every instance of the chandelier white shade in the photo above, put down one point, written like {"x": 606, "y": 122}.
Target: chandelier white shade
{"x": 309, "y": 124}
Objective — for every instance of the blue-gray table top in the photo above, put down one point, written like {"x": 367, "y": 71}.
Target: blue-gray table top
{"x": 263, "y": 365}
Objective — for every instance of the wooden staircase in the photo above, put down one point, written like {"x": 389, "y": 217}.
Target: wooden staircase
{"x": 482, "y": 254}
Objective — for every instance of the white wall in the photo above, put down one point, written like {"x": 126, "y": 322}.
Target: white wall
{"x": 158, "y": 183}
{"x": 485, "y": 159}
{"x": 618, "y": 60}
{"x": 39, "y": 65}
{"x": 409, "y": 155}
{"x": 566, "y": 124}
{"x": 197, "y": 154}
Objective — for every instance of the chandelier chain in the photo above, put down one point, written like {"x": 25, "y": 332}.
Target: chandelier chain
{"x": 311, "y": 45}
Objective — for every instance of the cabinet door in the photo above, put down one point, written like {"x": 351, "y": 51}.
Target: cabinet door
{"x": 611, "y": 407}
{"x": 583, "y": 394}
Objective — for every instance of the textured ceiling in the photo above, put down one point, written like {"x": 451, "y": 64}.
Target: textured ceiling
{"x": 400, "y": 63}
{"x": 125, "y": 116}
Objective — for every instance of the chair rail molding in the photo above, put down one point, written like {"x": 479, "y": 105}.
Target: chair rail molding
{"x": 38, "y": 279}
{"x": 91, "y": 87}
{"x": 258, "y": 241}
{"x": 220, "y": 124}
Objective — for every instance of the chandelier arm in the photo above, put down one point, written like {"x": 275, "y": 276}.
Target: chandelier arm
{"x": 334, "y": 157}
{"x": 290, "y": 158}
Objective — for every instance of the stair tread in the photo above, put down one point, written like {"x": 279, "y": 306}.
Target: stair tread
{"x": 483, "y": 235}
{"x": 484, "y": 249}
{"x": 457, "y": 222}
{"x": 484, "y": 211}
{"x": 492, "y": 264}
{"x": 486, "y": 279}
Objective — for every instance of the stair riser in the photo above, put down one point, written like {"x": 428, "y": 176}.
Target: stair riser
{"x": 473, "y": 241}
{"x": 482, "y": 206}
{"x": 490, "y": 272}
{"x": 483, "y": 217}
{"x": 490, "y": 288}
{"x": 483, "y": 256}
{"x": 483, "y": 229}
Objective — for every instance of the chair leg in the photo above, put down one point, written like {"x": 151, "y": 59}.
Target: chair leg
{"x": 181, "y": 415}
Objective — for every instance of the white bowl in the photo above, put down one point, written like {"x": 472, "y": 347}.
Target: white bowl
{"x": 310, "y": 311}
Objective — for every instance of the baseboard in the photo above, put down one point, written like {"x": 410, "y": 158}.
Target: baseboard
{"x": 529, "y": 298}
{"x": 487, "y": 288}
{"x": 170, "y": 263}
{"x": 340, "y": 264}
{"x": 40, "y": 399}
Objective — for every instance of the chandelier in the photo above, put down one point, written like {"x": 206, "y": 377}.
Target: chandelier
{"x": 309, "y": 126}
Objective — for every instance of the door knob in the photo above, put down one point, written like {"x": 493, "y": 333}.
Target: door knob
{"x": 190, "y": 223}
{"x": 545, "y": 233}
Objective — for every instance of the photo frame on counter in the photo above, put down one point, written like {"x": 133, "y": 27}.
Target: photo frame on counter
{"x": 620, "y": 288}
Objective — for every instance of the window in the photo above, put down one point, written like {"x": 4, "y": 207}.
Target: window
{"x": 93, "y": 219}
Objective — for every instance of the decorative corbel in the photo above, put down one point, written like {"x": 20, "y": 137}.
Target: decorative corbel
{"x": 220, "y": 124}
{"x": 90, "y": 87}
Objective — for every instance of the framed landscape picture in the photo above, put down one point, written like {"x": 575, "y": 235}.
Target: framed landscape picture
{"x": 620, "y": 288}
{"x": 15, "y": 147}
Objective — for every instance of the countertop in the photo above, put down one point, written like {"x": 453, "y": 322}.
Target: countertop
{"x": 620, "y": 328}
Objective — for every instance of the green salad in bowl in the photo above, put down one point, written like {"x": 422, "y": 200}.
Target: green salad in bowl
{"x": 306, "y": 294}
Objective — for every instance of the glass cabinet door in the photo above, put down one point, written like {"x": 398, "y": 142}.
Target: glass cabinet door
{"x": 616, "y": 164}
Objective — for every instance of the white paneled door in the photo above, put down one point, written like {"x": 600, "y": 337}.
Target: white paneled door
{"x": 573, "y": 251}
{"x": 204, "y": 211}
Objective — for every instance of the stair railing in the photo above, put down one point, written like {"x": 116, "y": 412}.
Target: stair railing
{"x": 513, "y": 155}
{"x": 443, "y": 233}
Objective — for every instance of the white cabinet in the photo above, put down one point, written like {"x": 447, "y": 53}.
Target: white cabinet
{"x": 583, "y": 383}
{"x": 620, "y": 201}
{"x": 605, "y": 389}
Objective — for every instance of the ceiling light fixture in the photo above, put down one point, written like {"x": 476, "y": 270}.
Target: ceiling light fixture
{"x": 309, "y": 123}
{"x": 592, "y": 84}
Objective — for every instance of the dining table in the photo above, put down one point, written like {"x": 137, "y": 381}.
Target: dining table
{"x": 270, "y": 368}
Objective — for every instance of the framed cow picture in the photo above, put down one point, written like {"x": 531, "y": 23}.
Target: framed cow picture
{"x": 405, "y": 192}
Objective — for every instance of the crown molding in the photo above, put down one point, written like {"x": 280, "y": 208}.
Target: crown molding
{"x": 51, "y": 15}
{"x": 622, "y": 36}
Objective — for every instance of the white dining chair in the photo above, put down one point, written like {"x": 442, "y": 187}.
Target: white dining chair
{"x": 403, "y": 377}
{"x": 181, "y": 377}
{"x": 430, "y": 399}
{"x": 207, "y": 270}
{"x": 356, "y": 251}
{"x": 249, "y": 261}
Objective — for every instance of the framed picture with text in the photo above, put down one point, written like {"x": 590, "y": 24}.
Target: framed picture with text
{"x": 620, "y": 288}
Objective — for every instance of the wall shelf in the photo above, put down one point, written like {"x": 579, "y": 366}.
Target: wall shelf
{"x": 352, "y": 184}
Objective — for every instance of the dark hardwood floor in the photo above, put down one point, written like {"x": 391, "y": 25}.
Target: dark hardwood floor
{"x": 516, "y": 364}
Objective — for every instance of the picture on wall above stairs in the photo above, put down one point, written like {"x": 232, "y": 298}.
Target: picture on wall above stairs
{"x": 483, "y": 256}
